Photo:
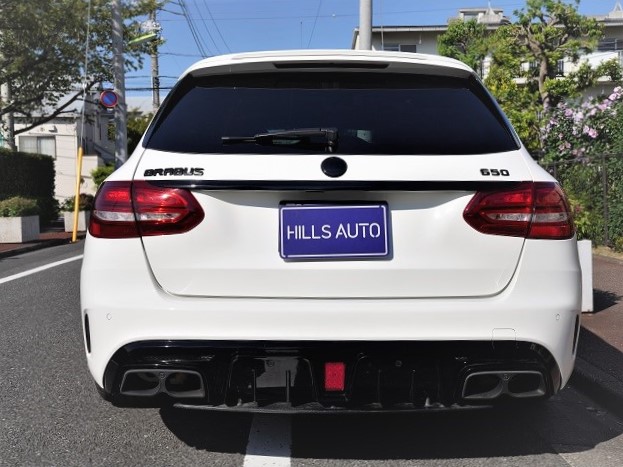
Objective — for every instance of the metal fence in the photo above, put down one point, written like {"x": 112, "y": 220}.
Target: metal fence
{"x": 595, "y": 188}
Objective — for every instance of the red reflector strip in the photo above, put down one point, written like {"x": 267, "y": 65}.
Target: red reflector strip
{"x": 334, "y": 376}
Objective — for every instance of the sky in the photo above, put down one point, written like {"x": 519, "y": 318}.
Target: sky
{"x": 224, "y": 26}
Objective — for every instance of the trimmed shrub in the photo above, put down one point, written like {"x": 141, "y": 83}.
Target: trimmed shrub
{"x": 18, "y": 207}
{"x": 29, "y": 176}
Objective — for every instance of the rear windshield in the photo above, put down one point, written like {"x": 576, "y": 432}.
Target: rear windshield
{"x": 373, "y": 113}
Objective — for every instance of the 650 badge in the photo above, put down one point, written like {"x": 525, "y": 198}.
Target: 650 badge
{"x": 334, "y": 231}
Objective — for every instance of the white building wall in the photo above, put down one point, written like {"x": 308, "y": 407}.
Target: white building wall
{"x": 425, "y": 42}
{"x": 63, "y": 130}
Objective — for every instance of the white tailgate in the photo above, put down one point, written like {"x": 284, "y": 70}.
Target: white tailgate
{"x": 234, "y": 252}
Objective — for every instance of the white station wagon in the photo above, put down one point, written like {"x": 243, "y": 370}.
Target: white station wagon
{"x": 330, "y": 230}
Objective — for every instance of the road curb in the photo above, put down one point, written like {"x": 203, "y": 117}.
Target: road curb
{"x": 36, "y": 246}
{"x": 600, "y": 386}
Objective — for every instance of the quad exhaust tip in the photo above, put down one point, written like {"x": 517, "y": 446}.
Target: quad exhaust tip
{"x": 489, "y": 385}
{"x": 150, "y": 382}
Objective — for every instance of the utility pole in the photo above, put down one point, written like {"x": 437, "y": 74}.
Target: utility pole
{"x": 155, "y": 78}
{"x": 8, "y": 122}
{"x": 365, "y": 24}
{"x": 121, "y": 117}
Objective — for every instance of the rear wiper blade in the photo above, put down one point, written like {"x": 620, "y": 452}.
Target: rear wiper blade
{"x": 307, "y": 138}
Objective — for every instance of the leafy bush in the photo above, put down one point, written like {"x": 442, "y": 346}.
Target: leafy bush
{"x": 85, "y": 203}
{"x": 587, "y": 224}
{"x": 18, "y": 207}
{"x": 575, "y": 132}
{"x": 583, "y": 150}
{"x": 101, "y": 173}
{"x": 618, "y": 245}
{"x": 137, "y": 124}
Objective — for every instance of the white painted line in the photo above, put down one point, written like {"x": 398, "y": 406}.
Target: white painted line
{"x": 39, "y": 269}
{"x": 270, "y": 441}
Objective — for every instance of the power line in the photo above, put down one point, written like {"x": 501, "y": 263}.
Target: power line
{"x": 193, "y": 29}
{"x": 149, "y": 88}
{"x": 216, "y": 26}
{"x": 205, "y": 26}
{"x": 315, "y": 21}
{"x": 336, "y": 15}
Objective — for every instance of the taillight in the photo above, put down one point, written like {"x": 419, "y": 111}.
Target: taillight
{"x": 132, "y": 209}
{"x": 531, "y": 210}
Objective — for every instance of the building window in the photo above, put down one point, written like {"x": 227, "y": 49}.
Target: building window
{"x": 391, "y": 47}
{"x": 38, "y": 145}
{"x": 560, "y": 68}
{"x": 400, "y": 47}
{"x": 408, "y": 48}
{"x": 609, "y": 44}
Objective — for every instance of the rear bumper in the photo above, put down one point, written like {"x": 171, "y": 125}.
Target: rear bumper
{"x": 540, "y": 307}
{"x": 279, "y": 376}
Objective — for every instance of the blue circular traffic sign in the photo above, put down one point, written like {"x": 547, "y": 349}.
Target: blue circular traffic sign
{"x": 109, "y": 99}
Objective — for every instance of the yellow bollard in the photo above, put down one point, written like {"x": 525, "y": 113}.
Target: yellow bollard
{"x": 74, "y": 235}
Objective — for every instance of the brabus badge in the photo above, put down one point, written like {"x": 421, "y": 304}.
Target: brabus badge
{"x": 175, "y": 172}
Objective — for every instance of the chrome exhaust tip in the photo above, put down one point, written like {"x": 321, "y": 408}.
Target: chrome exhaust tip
{"x": 150, "y": 382}
{"x": 489, "y": 385}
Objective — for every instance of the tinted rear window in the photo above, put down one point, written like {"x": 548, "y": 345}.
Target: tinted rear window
{"x": 374, "y": 113}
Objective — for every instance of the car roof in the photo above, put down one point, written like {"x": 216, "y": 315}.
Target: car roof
{"x": 317, "y": 60}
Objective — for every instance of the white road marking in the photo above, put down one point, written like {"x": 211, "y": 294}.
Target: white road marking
{"x": 270, "y": 441}
{"x": 39, "y": 269}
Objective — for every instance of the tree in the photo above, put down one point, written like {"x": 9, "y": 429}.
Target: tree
{"x": 517, "y": 97}
{"x": 524, "y": 56}
{"x": 42, "y": 53}
{"x": 137, "y": 124}
{"x": 547, "y": 31}
{"x": 465, "y": 41}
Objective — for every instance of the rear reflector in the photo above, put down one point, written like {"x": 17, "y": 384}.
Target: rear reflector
{"x": 131, "y": 209}
{"x": 334, "y": 376}
{"x": 531, "y": 210}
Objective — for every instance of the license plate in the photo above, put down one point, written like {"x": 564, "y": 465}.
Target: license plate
{"x": 333, "y": 231}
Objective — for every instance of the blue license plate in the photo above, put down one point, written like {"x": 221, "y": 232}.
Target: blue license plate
{"x": 333, "y": 231}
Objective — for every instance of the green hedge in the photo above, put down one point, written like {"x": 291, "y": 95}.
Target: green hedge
{"x": 584, "y": 182}
{"x": 29, "y": 176}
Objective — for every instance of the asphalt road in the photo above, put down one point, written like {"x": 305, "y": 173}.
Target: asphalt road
{"x": 50, "y": 413}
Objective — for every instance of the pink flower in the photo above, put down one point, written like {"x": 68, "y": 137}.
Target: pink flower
{"x": 568, "y": 113}
{"x": 589, "y": 131}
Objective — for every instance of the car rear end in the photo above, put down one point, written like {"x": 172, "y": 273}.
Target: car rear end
{"x": 330, "y": 231}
